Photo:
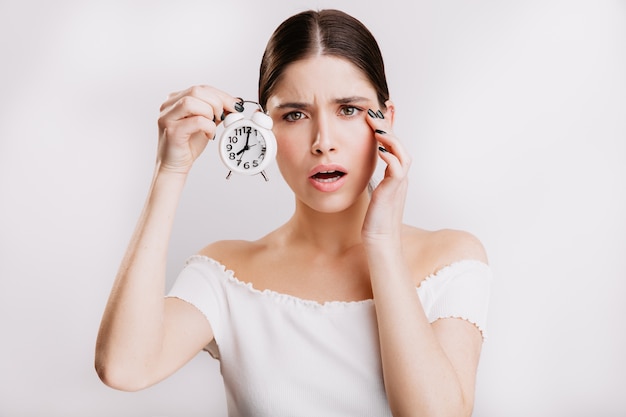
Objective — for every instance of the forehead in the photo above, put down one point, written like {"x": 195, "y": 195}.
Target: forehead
{"x": 321, "y": 77}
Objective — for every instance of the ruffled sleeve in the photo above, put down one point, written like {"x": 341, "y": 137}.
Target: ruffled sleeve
{"x": 460, "y": 290}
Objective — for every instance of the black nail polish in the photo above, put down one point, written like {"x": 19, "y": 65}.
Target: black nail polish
{"x": 371, "y": 113}
{"x": 223, "y": 116}
{"x": 382, "y": 132}
{"x": 380, "y": 114}
{"x": 380, "y": 148}
{"x": 239, "y": 107}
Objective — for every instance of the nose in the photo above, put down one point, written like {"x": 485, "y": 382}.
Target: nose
{"x": 323, "y": 141}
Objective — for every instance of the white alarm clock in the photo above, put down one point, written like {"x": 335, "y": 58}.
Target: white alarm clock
{"x": 247, "y": 145}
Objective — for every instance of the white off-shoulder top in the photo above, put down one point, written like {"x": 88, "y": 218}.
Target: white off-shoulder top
{"x": 281, "y": 355}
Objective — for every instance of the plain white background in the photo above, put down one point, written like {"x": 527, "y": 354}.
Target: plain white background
{"x": 514, "y": 112}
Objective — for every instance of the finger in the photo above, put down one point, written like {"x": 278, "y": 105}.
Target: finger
{"x": 390, "y": 145}
{"x": 188, "y": 106}
{"x": 194, "y": 91}
{"x": 221, "y": 102}
{"x": 382, "y": 130}
{"x": 188, "y": 126}
{"x": 394, "y": 168}
{"x": 391, "y": 151}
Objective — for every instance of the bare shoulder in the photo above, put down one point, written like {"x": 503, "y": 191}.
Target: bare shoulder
{"x": 231, "y": 252}
{"x": 428, "y": 251}
{"x": 246, "y": 256}
{"x": 456, "y": 245}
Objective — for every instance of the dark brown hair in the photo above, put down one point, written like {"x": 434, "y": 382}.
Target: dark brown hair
{"x": 325, "y": 32}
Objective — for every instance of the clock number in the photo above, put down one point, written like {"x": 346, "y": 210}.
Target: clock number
{"x": 233, "y": 139}
{"x": 255, "y": 163}
{"x": 229, "y": 147}
{"x": 245, "y": 130}
{"x": 231, "y": 156}
{"x": 246, "y": 165}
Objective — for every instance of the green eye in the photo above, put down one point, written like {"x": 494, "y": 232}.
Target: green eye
{"x": 349, "y": 111}
{"x": 294, "y": 116}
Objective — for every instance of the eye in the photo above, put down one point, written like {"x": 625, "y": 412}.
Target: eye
{"x": 349, "y": 111}
{"x": 294, "y": 116}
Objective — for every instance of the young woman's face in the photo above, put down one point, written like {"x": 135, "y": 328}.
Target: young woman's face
{"x": 326, "y": 149}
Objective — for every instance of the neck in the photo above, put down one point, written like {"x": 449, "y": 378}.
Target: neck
{"x": 331, "y": 233}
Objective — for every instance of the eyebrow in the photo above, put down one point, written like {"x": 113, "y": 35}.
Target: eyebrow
{"x": 341, "y": 100}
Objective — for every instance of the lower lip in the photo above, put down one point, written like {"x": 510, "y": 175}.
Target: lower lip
{"x": 329, "y": 186}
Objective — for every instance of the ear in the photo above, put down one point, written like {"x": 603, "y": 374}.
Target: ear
{"x": 390, "y": 113}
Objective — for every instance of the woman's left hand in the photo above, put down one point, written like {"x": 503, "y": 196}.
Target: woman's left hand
{"x": 383, "y": 220}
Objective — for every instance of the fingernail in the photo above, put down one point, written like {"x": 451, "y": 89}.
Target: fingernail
{"x": 239, "y": 107}
{"x": 371, "y": 113}
{"x": 380, "y": 148}
{"x": 380, "y": 114}
{"x": 382, "y": 132}
{"x": 223, "y": 116}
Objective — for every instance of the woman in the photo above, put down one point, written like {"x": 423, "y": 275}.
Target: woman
{"x": 322, "y": 316}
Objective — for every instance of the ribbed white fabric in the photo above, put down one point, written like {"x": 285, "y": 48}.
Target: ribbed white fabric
{"x": 281, "y": 355}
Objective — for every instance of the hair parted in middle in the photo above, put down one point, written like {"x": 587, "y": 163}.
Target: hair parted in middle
{"x": 324, "y": 32}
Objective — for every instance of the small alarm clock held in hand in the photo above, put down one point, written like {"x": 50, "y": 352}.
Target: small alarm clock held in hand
{"x": 247, "y": 145}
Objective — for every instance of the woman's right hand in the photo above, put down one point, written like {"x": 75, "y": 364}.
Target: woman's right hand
{"x": 188, "y": 120}
{"x": 143, "y": 337}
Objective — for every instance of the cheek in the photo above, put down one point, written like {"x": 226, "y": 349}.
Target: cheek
{"x": 290, "y": 152}
{"x": 293, "y": 143}
{"x": 369, "y": 153}
{"x": 366, "y": 144}
{"x": 372, "y": 154}
{"x": 286, "y": 149}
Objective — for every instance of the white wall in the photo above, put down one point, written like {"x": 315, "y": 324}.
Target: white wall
{"x": 515, "y": 113}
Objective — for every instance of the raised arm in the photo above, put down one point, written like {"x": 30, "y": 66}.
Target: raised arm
{"x": 428, "y": 369}
{"x": 144, "y": 337}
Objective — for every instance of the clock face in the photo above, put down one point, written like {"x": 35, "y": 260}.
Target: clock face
{"x": 244, "y": 149}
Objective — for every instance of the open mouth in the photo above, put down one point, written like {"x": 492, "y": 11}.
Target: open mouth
{"x": 328, "y": 176}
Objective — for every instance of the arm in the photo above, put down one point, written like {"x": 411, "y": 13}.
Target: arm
{"x": 429, "y": 370}
{"x": 144, "y": 337}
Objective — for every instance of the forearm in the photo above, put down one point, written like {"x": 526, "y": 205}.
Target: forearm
{"x": 419, "y": 378}
{"x": 132, "y": 325}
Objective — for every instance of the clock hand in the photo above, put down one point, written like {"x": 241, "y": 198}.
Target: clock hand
{"x": 245, "y": 147}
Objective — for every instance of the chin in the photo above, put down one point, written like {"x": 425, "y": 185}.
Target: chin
{"x": 333, "y": 203}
